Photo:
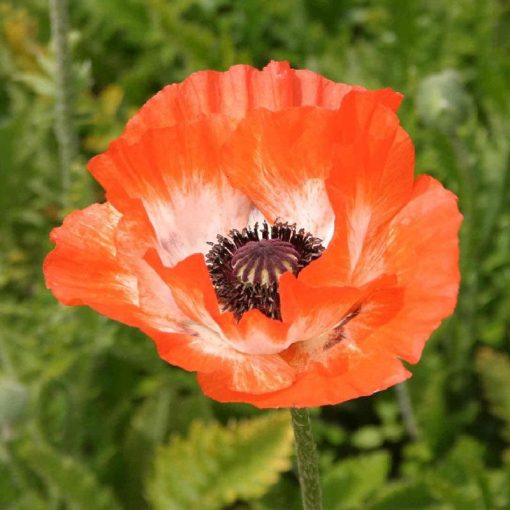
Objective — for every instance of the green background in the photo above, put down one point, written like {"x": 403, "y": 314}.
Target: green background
{"x": 91, "y": 418}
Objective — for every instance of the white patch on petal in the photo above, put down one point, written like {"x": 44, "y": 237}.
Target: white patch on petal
{"x": 256, "y": 217}
{"x": 269, "y": 378}
{"x": 249, "y": 372}
{"x": 359, "y": 222}
{"x": 271, "y": 373}
{"x": 258, "y": 342}
{"x": 308, "y": 206}
{"x": 312, "y": 326}
{"x": 157, "y": 299}
{"x": 195, "y": 214}
{"x": 129, "y": 284}
{"x": 255, "y": 342}
{"x": 329, "y": 231}
{"x": 209, "y": 341}
{"x": 351, "y": 345}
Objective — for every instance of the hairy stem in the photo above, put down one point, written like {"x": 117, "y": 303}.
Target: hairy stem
{"x": 64, "y": 126}
{"x": 307, "y": 460}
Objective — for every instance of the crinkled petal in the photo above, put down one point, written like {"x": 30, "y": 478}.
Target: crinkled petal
{"x": 337, "y": 363}
{"x": 192, "y": 289}
{"x": 194, "y": 293}
{"x": 239, "y": 90}
{"x": 311, "y": 311}
{"x": 174, "y": 174}
{"x": 281, "y": 161}
{"x": 235, "y": 371}
{"x": 88, "y": 267}
{"x": 255, "y": 333}
{"x": 361, "y": 311}
{"x": 364, "y": 373}
{"x": 370, "y": 181}
{"x": 207, "y": 347}
{"x": 423, "y": 252}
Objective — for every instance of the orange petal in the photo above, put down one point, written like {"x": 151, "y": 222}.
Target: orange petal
{"x": 194, "y": 293}
{"x": 87, "y": 267}
{"x": 255, "y": 333}
{"x": 371, "y": 180}
{"x": 239, "y": 90}
{"x": 208, "y": 353}
{"x": 349, "y": 368}
{"x": 365, "y": 373}
{"x": 378, "y": 307}
{"x": 191, "y": 287}
{"x": 423, "y": 252}
{"x": 174, "y": 173}
{"x": 310, "y": 311}
{"x": 336, "y": 321}
{"x": 281, "y": 160}
{"x": 207, "y": 349}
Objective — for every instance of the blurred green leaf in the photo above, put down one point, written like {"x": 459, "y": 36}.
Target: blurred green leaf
{"x": 460, "y": 479}
{"x": 405, "y": 497}
{"x": 494, "y": 371}
{"x": 13, "y": 401}
{"x": 214, "y": 465}
{"x": 367, "y": 437}
{"x": 350, "y": 483}
{"x": 69, "y": 479}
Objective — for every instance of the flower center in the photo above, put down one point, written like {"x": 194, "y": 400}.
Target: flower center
{"x": 246, "y": 265}
{"x": 262, "y": 262}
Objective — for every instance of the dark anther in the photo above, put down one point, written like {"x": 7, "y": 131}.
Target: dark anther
{"x": 337, "y": 335}
{"x": 246, "y": 265}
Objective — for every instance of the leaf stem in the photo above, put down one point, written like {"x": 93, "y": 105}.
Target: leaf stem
{"x": 307, "y": 460}
{"x": 64, "y": 127}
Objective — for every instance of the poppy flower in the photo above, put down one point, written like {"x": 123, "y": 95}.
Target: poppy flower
{"x": 265, "y": 229}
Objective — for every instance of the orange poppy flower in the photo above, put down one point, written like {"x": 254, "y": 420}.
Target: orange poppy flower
{"x": 265, "y": 229}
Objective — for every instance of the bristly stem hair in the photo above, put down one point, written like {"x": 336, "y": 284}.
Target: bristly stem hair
{"x": 307, "y": 460}
{"x": 64, "y": 125}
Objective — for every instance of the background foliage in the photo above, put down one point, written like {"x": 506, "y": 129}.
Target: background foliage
{"x": 90, "y": 418}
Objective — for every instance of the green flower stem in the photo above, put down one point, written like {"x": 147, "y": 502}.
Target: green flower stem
{"x": 406, "y": 410}
{"x": 307, "y": 460}
{"x": 64, "y": 127}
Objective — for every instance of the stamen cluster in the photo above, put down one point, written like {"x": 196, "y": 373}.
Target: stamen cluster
{"x": 246, "y": 265}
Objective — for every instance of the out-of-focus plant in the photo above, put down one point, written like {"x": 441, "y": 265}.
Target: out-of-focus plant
{"x": 215, "y": 466}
